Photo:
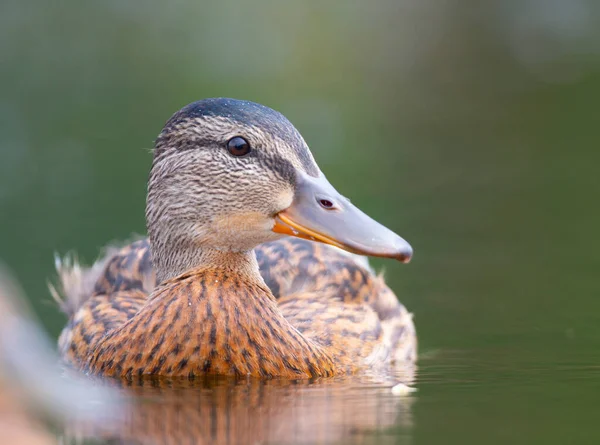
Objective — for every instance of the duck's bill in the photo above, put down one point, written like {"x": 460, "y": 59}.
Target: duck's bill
{"x": 319, "y": 213}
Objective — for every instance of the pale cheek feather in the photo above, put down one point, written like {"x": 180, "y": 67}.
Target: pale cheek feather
{"x": 285, "y": 198}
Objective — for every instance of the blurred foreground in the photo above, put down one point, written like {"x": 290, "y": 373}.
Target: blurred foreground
{"x": 33, "y": 386}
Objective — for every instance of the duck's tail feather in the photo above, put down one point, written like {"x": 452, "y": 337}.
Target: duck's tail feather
{"x": 75, "y": 282}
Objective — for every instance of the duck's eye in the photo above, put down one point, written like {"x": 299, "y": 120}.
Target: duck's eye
{"x": 238, "y": 146}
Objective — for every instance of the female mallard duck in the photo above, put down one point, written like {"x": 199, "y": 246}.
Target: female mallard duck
{"x": 229, "y": 179}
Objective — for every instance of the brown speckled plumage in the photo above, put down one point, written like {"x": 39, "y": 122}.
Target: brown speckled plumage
{"x": 196, "y": 298}
{"x": 344, "y": 313}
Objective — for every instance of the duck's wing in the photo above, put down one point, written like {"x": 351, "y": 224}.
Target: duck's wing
{"x": 119, "y": 270}
{"x": 129, "y": 269}
{"x": 335, "y": 298}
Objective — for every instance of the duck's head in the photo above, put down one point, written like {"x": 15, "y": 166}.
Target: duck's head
{"x": 228, "y": 175}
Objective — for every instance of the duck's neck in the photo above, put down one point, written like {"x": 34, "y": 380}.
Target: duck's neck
{"x": 173, "y": 262}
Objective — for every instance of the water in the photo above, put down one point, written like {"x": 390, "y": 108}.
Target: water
{"x": 478, "y": 396}
{"x": 226, "y": 411}
{"x": 462, "y": 398}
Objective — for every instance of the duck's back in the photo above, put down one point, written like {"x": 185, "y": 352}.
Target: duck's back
{"x": 329, "y": 295}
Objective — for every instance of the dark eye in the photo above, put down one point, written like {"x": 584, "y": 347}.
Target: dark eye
{"x": 238, "y": 146}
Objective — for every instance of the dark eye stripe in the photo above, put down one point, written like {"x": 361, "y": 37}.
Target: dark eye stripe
{"x": 238, "y": 146}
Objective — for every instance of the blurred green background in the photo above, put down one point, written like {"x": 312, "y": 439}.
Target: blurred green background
{"x": 470, "y": 128}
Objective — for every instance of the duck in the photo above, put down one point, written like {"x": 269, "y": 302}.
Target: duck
{"x": 254, "y": 265}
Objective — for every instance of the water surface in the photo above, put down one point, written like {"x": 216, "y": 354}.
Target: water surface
{"x": 464, "y": 396}
{"x": 219, "y": 410}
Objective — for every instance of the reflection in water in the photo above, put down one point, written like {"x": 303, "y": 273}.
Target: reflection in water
{"x": 218, "y": 410}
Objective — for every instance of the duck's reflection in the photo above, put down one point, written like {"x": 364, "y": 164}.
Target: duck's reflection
{"x": 226, "y": 411}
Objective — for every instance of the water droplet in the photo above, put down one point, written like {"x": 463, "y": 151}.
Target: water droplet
{"x": 402, "y": 390}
